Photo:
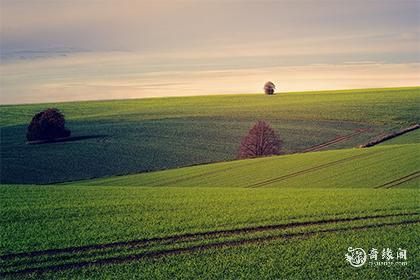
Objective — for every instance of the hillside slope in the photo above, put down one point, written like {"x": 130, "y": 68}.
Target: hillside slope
{"x": 248, "y": 210}
{"x": 374, "y": 167}
{"x": 131, "y": 136}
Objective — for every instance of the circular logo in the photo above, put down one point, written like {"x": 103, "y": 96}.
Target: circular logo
{"x": 356, "y": 256}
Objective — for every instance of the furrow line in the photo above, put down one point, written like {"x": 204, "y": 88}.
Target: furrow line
{"x": 208, "y": 234}
{"x": 336, "y": 140}
{"x": 305, "y": 171}
{"x": 192, "y": 249}
{"x": 399, "y": 181}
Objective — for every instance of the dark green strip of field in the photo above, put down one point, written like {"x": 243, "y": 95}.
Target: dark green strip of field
{"x": 131, "y": 136}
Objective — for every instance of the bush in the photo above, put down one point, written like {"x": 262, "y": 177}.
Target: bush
{"x": 47, "y": 125}
{"x": 260, "y": 141}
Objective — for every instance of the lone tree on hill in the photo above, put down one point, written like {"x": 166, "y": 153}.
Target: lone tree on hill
{"x": 269, "y": 88}
{"x": 47, "y": 125}
{"x": 260, "y": 141}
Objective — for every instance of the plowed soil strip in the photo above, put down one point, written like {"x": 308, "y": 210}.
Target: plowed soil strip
{"x": 208, "y": 234}
{"x": 389, "y": 136}
{"x": 399, "y": 181}
{"x": 192, "y": 249}
{"x": 336, "y": 140}
{"x": 308, "y": 170}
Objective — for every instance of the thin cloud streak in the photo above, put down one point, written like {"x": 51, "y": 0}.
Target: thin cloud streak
{"x": 83, "y": 80}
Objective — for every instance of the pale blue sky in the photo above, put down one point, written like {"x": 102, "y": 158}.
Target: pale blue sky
{"x": 140, "y": 43}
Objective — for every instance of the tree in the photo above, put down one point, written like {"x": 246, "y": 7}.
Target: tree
{"x": 260, "y": 141}
{"x": 269, "y": 88}
{"x": 47, "y": 125}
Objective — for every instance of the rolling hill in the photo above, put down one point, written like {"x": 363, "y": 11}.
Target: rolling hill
{"x": 351, "y": 168}
{"x": 266, "y": 218}
{"x": 131, "y": 136}
{"x": 121, "y": 226}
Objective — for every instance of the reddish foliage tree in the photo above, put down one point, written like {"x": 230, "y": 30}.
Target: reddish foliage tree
{"x": 260, "y": 141}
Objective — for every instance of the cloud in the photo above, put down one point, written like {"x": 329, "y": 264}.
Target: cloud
{"x": 124, "y": 75}
{"x": 108, "y": 48}
{"x": 104, "y": 25}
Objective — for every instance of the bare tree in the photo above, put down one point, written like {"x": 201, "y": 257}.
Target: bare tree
{"x": 260, "y": 141}
{"x": 269, "y": 88}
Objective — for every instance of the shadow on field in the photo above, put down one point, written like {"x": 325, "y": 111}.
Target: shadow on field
{"x": 67, "y": 139}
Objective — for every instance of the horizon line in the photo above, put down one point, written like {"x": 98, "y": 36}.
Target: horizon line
{"x": 204, "y": 95}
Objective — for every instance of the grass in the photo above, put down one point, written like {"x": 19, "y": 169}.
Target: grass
{"x": 283, "y": 217}
{"x": 51, "y": 217}
{"x": 127, "y": 210}
{"x": 410, "y": 137}
{"x": 351, "y": 168}
{"x": 41, "y": 217}
{"x": 45, "y": 217}
{"x": 315, "y": 257}
{"x": 154, "y": 134}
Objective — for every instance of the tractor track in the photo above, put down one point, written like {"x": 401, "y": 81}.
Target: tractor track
{"x": 310, "y": 149}
{"x": 308, "y": 170}
{"x": 336, "y": 140}
{"x": 25, "y": 257}
{"x": 399, "y": 181}
{"x": 187, "y": 177}
{"x": 181, "y": 237}
{"x": 192, "y": 249}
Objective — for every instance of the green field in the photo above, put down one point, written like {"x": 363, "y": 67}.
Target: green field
{"x": 329, "y": 169}
{"x": 284, "y": 217}
{"x": 319, "y": 256}
{"x": 411, "y": 137}
{"x": 162, "y": 133}
{"x": 52, "y": 217}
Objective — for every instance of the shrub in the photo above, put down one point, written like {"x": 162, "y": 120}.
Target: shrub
{"x": 47, "y": 125}
{"x": 260, "y": 141}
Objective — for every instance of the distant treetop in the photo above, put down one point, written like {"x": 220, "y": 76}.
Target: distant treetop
{"x": 269, "y": 88}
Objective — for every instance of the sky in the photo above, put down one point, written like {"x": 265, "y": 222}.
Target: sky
{"x": 66, "y": 50}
